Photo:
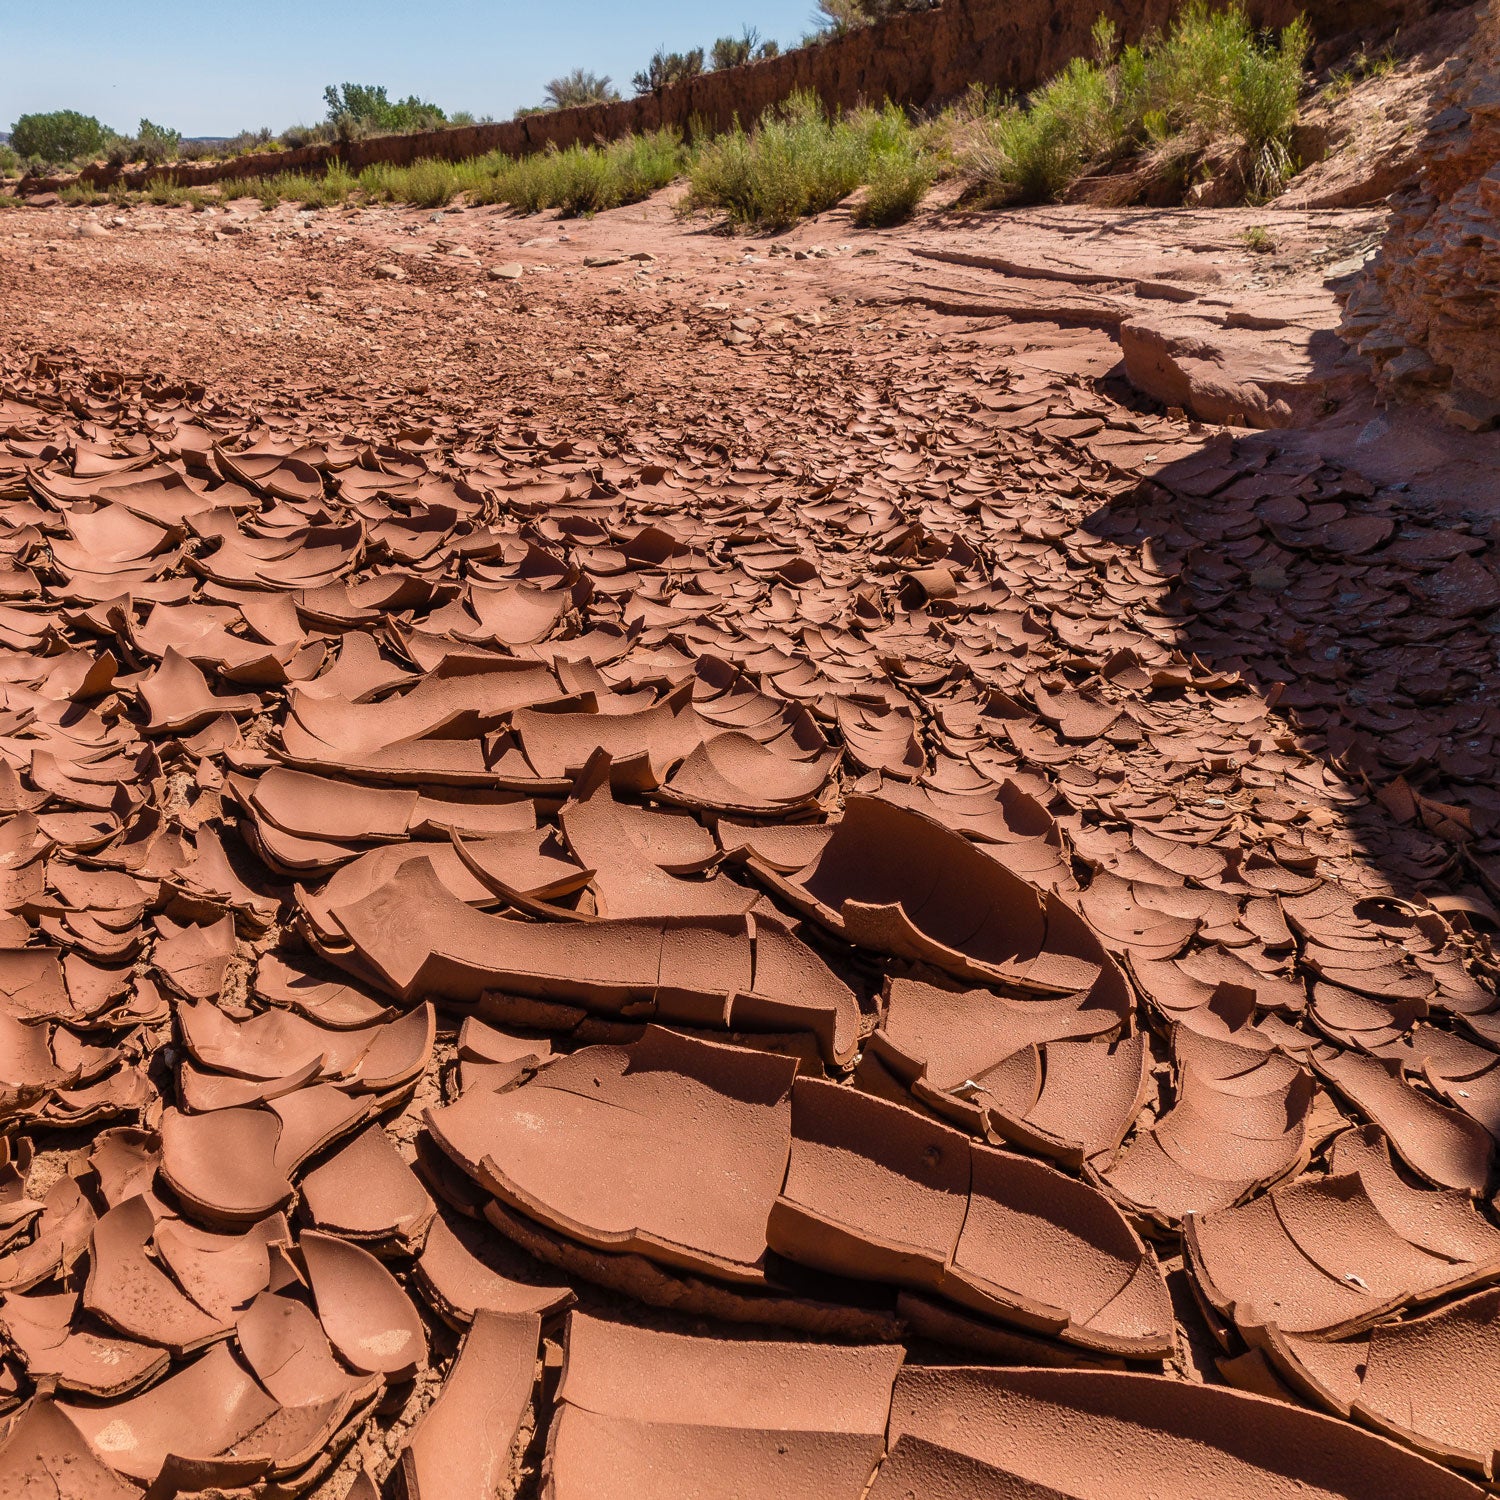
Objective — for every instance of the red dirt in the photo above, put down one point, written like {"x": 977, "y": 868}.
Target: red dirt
{"x": 932, "y": 789}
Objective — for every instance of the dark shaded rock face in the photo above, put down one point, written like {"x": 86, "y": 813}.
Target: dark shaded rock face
{"x": 1427, "y": 310}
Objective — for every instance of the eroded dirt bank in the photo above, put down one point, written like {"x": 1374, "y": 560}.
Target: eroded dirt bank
{"x": 549, "y": 768}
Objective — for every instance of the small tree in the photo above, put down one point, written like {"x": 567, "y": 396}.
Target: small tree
{"x": 667, "y": 68}
{"x": 155, "y": 144}
{"x": 360, "y": 108}
{"x": 61, "y": 136}
{"x": 580, "y": 87}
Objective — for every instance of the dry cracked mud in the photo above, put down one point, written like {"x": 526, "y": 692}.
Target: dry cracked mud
{"x": 645, "y": 863}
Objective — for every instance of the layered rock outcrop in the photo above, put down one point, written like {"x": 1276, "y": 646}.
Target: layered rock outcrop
{"x": 1427, "y": 309}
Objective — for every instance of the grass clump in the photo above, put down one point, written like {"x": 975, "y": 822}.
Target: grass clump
{"x": 1364, "y": 64}
{"x": 1211, "y": 95}
{"x": 583, "y": 179}
{"x": 428, "y": 183}
{"x": 798, "y": 160}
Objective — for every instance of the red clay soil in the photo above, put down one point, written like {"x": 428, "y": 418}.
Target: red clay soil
{"x": 861, "y": 863}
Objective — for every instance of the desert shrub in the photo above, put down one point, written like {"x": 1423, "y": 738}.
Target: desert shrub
{"x": 528, "y": 185}
{"x": 10, "y": 162}
{"x": 428, "y": 183}
{"x": 155, "y": 144}
{"x": 1211, "y": 86}
{"x": 329, "y": 190}
{"x": 164, "y": 191}
{"x": 730, "y": 51}
{"x": 735, "y": 51}
{"x": 582, "y": 179}
{"x": 1026, "y": 156}
{"x": 897, "y": 181}
{"x": 796, "y": 161}
{"x": 326, "y": 191}
{"x": 644, "y": 164}
{"x": 64, "y": 135}
{"x": 840, "y": 16}
{"x": 80, "y": 195}
{"x": 230, "y": 188}
{"x": 581, "y": 87}
{"x": 294, "y": 137}
{"x": 248, "y": 141}
{"x": 667, "y": 68}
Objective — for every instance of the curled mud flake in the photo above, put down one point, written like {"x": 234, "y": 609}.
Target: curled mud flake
{"x": 368, "y": 1318}
{"x": 45, "y": 1454}
{"x": 365, "y": 1191}
{"x": 584, "y": 1148}
{"x": 461, "y": 1447}
{"x": 1046, "y": 1428}
{"x": 201, "y": 1413}
{"x": 459, "y": 1285}
{"x": 1329, "y": 1255}
{"x": 223, "y": 1165}
{"x": 639, "y": 1411}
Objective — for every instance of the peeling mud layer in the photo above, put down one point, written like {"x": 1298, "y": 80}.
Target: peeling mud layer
{"x": 642, "y": 864}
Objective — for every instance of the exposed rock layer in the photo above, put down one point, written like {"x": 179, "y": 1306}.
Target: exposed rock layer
{"x": 1428, "y": 308}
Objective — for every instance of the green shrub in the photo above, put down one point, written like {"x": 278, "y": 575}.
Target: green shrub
{"x": 428, "y": 183}
{"x": 1211, "y": 86}
{"x": 294, "y": 137}
{"x": 80, "y": 195}
{"x": 644, "y": 164}
{"x": 327, "y": 191}
{"x": 797, "y": 161}
{"x": 585, "y": 183}
{"x": 582, "y": 179}
{"x": 1024, "y": 156}
{"x": 897, "y": 182}
{"x": 10, "y": 163}
{"x": 736, "y": 51}
{"x": 162, "y": 190}
{"x": 62, "y": 136}
{"x": 667, "y": 68}
{"x": 841, "y": 16}
{"x": 528, "y": 185}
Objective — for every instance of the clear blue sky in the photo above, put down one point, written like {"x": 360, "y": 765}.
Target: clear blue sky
{"x": 212, "y": 68}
